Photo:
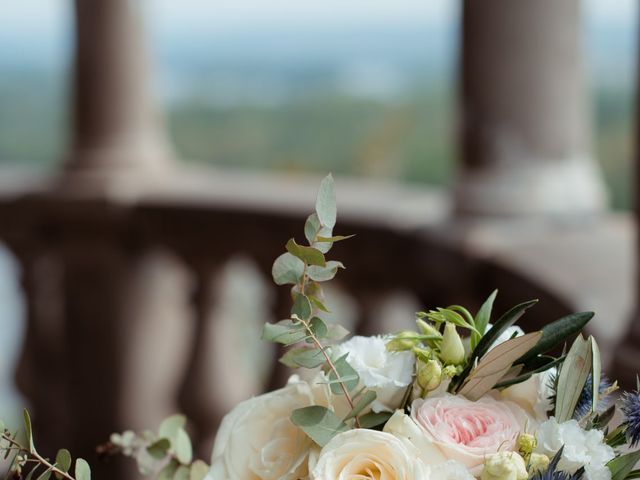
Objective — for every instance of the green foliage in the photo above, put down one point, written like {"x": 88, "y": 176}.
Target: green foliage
{"x": 623, "y": 465}
{"x": 482, "y": 319}
{"x": 572, "y": 378}
{"x": 39, "y": 467}
{"x": 319, "y": 423}
{"x": 305, "y": 267}
{"x": 169, "y": 452}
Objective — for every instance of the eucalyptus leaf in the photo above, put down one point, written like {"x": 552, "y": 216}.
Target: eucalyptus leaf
{"x": 183, "y": 448}
{"x": 301, "y": 307}
{"x": 326, "y": 202}
{"x": 495, "y": 364}
{"x": 63, "y": 461}
{"x": 312, "y": 228}
{"x": 159, "y": 448}
{"x": 285, "y": 332}
{"x": 287, "y": 269}
{"x": 371, "y": 420}
{"x": 170, "y": 426}
{"x": 319, "y": 423}
{"x": 572, "y": 378}
{"x": 318, "y": 327}
{"x": 169, "y": 470}
{"x": 198, "y": 470}
{"x": 317, "y": 304}
{"x": 336, "y": 332}
{"x": 367, "y": 399}
{"x": 82, "y": 470}
{"x": 335, "y": 238}
{"x": 309, "y": 255}
{"x": 182, "y": 473}
{"x": 621, "y": 466}
{"x": 323, "y": 274}
{"x": 306, "y": 357}
{"x": 45, "y": 475}
{"x": 344, "y": 371}
{"x": 28, "y": 430}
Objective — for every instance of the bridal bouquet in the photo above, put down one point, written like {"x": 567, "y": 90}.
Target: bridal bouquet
{"x": 462, "y": 396}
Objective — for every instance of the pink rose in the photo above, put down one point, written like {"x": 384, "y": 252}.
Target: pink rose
{"x": 468, "y": 431}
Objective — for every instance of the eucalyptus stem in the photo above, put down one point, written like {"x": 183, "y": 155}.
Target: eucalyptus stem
{"x": 318, "y": 344}
{"x": 315, "y": 340}
{"x": 36, "y": 457}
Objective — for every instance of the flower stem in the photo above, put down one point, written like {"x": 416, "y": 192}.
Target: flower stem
{"x": 36, "y": 457}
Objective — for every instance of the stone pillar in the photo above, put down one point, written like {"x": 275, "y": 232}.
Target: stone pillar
{"x": 526, "y": 134}
{"x": 626, "y": 361}
{"x": 117, "y": 132}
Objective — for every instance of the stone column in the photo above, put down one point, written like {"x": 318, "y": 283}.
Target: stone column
{"x": 626, "y": 361}
{"x": 117, "y": 132}
{"x": 526, "y": 133}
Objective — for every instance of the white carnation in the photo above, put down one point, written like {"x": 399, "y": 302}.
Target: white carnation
{"x": 508, "y": 333}
{"x": 582, "y": 448}
{"x": 386, "y": 373}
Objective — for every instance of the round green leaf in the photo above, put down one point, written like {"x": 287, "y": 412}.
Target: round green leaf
{"x": 83, "y": 470}
{"x": 183, "y": 449}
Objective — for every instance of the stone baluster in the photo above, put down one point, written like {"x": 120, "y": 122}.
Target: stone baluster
{"x": 526, "y": 134}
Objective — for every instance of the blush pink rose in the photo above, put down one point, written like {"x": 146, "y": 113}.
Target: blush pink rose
{"x": 468, "y": 431}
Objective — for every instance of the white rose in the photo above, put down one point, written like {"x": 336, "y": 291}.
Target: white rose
{"x": 387, "y": 373}
{"x": 369, "y": 454}
{"x": 257, "y": 440}
{"x": 534, "y": 394}
{"x": 582, "y": 448}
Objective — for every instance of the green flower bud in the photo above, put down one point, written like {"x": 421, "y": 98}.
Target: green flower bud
{"x": 426, "y": 328}
{"x": 526, "y": 444}
{"x": 451, "y": 347}
{"x": 504, "y": 466}
{"x": 538, "y": 462}
{"x": 429, "y": 375}
{"x": 450, "y": 371}
{"x": 402, "y": 341}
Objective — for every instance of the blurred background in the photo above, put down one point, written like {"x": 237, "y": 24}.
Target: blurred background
{"x": 156, "y": 155}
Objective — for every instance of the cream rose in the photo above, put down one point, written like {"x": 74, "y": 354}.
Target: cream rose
{"x": 257, "y": 440}
{"x": 387, "y": 373}
{"x": 369, "y": 454}
{"x": 468, "y": 431}
{"x": 533, "y": 395}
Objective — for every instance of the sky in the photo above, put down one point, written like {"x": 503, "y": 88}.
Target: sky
{"x": 47, "y": 22}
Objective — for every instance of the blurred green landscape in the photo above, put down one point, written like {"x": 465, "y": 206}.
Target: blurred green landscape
{"x": 410, "y": 138}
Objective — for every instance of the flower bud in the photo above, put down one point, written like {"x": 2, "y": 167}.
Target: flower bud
{"x": 451, "y": 347}
{"x": 526, "y": 444}
{"x": 538, "y": 462}
{"x": 504, "y": 466}
{"x": 402, "y": 341}
{"x": 429, "y": 375}
{"x": 450, "y": 371}
{"x": 426, "y": 328}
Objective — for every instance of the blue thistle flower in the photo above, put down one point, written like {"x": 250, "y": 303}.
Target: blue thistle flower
{"x": 583, "y": 407}
{"x": 551, "y": 473}
{"x": 631, "y": 410}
